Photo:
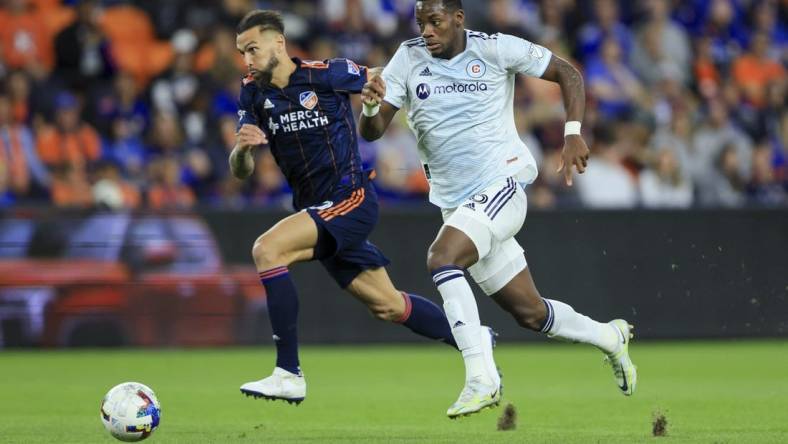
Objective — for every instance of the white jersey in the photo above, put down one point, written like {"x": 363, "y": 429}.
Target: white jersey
{"x": 461, "y": 111}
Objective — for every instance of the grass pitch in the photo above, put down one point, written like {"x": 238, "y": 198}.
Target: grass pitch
{"x": 718, "y": 392}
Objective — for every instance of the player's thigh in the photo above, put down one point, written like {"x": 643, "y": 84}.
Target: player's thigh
{"x": 292, "y": 238}
{"x": 374, "y": 288}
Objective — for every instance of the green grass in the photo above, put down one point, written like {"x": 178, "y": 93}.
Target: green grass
{"x": 711, "y": 392}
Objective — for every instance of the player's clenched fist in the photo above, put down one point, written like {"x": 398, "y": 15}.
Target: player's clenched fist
{"x": 375, "y": 89}
{"x": 250, "y": 136}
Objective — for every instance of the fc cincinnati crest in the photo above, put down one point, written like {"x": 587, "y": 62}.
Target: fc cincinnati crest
{"x": 476, "y": 68}
{"x": 308, "y": 99}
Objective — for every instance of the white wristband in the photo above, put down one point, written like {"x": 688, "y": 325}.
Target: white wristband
{"x": 369, "y": 110}
{"x": 572, "y": 128}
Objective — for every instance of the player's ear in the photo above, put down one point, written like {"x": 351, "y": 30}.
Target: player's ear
{"x": 459, "y": 17}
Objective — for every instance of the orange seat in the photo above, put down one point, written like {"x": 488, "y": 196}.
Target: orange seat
{"x": 126, "y": 23}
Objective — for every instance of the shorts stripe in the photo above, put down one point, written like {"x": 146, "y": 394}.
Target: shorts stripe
{"x": 502, "y": 192}
{"x": 504, "y": 201}
{"x": 345, "y": 206}
{"x": 341, "y": 205}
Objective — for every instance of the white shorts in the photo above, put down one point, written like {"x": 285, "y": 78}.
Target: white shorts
{"x": 490, "y": 219}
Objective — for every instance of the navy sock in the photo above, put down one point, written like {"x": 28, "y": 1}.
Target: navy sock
{"x": 282, "y": 302}
{"x": 425, "y": 318}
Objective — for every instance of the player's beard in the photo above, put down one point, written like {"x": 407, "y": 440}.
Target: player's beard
{"x": 264, "y": 76}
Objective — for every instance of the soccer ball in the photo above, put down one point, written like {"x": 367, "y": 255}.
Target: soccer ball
{"x": 130, "y": 411}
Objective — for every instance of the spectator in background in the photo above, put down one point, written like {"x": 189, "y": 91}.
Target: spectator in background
{"x": 662, "y": 48}
{"x": 616, "y": 88}
{"x": 123, "y": 102}
{"x": 22, "y": 170}
{"x": 399, "y": 169}
{"x": 755, "y": 70}
{"x": 177, "y": 90}
{"x": 82, "y": 51}
{"x": 167, "y": 191}
{"x": 503, "y": 17}
{"x": 70, "y": 187}
{"x": 606, "y": 26}
{"x": 25, "y": 39}
{"x": 351, "y": 31}
{"x": 606, "y": 183}
{"x": 126, "y": 149}
{"x": 71, "y": 141}
{"x": 764, "y": 187}
{"x": 665, "y": 185}
{"x": 166, "y": 135}
{"x": 111, "y": 190}
{"x": 766, "y": 17}
{"x": 268, "y": 187}
{"x": 725, "y": 31}
{"x": 725, "y": 184}
{"x": 708, "y": 162}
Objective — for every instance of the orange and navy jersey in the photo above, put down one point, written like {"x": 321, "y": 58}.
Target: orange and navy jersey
{"x": 310, "y": 127}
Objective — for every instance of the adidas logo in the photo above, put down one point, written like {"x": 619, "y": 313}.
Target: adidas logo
{"x": 267, "y": 104}
{"x": 276, "y": 338}
{"x": 470, "y": 206}
{"x": 426, "y": 72}
{"x": 458, "y": 324}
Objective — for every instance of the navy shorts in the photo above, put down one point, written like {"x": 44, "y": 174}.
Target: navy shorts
{"x": 343, "y": 226}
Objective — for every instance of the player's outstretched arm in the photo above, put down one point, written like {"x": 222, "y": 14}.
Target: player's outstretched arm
{"x": 575, "y": 151}
{"x": 377, "y": 113}
{"x": 241, "y": 159}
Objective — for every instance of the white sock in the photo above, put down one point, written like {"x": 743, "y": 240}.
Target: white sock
{"x": 460, "y": 306}
{"x": 563, "y": 322}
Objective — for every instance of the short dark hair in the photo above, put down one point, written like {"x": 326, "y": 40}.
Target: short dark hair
{"x": 452, "y": 5}
{"x": 266, "y": 19}
{"x": 449, "y": 5}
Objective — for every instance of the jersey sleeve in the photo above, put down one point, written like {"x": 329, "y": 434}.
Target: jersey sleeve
{"x": 346, "y": 75}
{"x": 519, "y": 55}
{"x": 246, "y": 114}
{"x": 395, "y": 74}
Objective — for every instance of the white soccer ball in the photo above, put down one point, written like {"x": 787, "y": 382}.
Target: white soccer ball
{"x": 130, "y": 411}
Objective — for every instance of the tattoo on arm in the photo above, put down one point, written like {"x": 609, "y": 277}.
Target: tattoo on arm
{"x": 572, "y": 88}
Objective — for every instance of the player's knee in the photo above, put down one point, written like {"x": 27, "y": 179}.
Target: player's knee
{"x": 438, "y": 257}
{"x": 266, "y": 254}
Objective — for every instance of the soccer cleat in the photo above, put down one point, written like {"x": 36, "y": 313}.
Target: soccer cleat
{"x": 475, "y": 396}
{"x": 280, "y": 385}
{"x": 624, "y": 371}
{"x": 488, "y": 344}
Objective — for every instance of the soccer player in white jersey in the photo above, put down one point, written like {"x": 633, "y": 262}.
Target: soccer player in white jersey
{"x": 458, "y": 88}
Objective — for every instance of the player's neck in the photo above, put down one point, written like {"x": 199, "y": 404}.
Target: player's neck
{"x": 282, "y": 73}
{"x": 459, "y": 45}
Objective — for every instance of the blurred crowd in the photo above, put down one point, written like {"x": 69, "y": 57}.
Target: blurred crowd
{"x": 132, "y": 104}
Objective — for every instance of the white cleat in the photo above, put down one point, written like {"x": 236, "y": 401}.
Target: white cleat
{"x": 475, "y": 396}
{"x": 280, "y": 385}
{"x": 624, "y": 371}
